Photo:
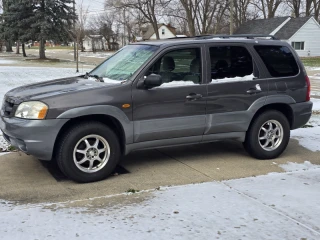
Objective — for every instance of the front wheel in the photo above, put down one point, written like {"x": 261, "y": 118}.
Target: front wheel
{"x": 88, "y": 152}
{"x": 268, "y": 135}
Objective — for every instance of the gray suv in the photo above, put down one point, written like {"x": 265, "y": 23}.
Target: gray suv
{"x": 253, "y": 89}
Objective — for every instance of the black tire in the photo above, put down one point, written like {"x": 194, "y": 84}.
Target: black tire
{"x": 65, "y": 151}
{"x": 252, "y": 143}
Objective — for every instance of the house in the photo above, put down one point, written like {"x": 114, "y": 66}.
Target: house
{"x": 165, "y": 32}
{"x": 94, "y": 43}
{"x": 301, "y": 33}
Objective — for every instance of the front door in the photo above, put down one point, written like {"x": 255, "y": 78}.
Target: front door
{"x": 235, "y": 87}
{"x": 177, "y": 108}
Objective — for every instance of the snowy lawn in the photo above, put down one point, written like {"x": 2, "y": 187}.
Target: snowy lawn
{"x": 274, "y": 206}
{"x": 95, "y": 55}
{"x": 316, "y": 104}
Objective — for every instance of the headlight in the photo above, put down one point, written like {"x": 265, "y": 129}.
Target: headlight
{"x": 32, "y": 110}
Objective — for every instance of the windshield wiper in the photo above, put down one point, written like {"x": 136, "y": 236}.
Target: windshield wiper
{"x": 100, "y": 79}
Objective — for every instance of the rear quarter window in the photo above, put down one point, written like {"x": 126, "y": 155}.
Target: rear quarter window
{"x": 279, "y": 60}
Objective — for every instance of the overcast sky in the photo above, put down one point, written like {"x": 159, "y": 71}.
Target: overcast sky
{"x": 94, "y": 5}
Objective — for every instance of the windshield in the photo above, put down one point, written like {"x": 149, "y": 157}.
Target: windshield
{"x": 124, "y": 63}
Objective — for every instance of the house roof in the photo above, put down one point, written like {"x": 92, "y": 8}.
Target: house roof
{"x": 267, "y": 26}
{"x": 149, "y": 31}
{"x": 291, "y": 27}
{"x": 260, "y": 26}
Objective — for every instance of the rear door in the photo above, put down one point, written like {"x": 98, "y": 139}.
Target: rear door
{"x": 234, "y": 85}
{"x": 286, "y": 79}
{"x": 176, "y": 109}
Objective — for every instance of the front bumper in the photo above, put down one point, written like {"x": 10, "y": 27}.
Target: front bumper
{"x": 34, "y": 137}
{"x": 301, "y": 114}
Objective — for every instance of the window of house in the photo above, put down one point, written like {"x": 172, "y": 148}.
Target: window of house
{"x": 298, "y": 45}
{"x": 279, "y": 60}
{"x": 163, "y": 31}
{"x": 231, "y": 63}
{"x": 179, "y": 67}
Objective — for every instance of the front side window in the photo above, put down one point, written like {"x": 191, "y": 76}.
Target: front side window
{"x": 231, "y": 63}
{"x": 179, "y": 67}
{"x": 279, "y": 60}
{"x": 298, "y": 45}
{"x": 163, "y": 31}
{"x": 124, "y": 63}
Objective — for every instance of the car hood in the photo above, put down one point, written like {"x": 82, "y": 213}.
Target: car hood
{"x": 47, "y": 89}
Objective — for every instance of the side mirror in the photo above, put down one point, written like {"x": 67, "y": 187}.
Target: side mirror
{"x": 153, "y": 80}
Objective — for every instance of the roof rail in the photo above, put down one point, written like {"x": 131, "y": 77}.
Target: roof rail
{"x": 248, "y": 36}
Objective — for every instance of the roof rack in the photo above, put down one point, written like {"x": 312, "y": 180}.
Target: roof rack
{"x": 248, "y": 36}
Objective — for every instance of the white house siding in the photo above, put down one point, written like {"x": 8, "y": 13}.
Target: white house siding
{"x": 98, "y": 44}
{"x": 167, "y": 34}
{"x": 309, "y": 33}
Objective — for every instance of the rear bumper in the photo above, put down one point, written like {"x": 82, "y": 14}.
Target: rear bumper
{"x": 301, "y": 114}
{"x": 34, "y": 137}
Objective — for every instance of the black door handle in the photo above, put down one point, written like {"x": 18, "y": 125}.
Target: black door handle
{"x": 252, "y": 91}
{"x": 255, "y": 89}
{"x": 193, "y": 96}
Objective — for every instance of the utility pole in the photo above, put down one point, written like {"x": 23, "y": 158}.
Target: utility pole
{"x": 74, "y": 31}
{"x": 231, "y": 16}
{"x": 77, "y": 56}
{"x": 124, "y": 27}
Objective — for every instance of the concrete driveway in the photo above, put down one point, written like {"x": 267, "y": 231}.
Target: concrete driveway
{"x": 26, "y": 180}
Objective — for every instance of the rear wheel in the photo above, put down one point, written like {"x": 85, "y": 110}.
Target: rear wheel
{"x": 268, "y": 135}
{"x": 88, "y": 152}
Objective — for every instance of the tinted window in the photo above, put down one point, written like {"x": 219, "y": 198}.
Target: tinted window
{"x": 231, "y": 63}
{"x": 179, "y": 65}
{"x": 279, "y": 60}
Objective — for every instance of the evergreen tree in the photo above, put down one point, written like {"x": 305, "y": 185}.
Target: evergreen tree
{"x": 40, "y": 20}
{"x": 15, "y": 24}
{"x": 51, "y": 20}
{"x": 5, "y": 34}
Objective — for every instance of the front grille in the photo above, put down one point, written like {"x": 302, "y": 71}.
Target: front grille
{"x": 7, "y": 107}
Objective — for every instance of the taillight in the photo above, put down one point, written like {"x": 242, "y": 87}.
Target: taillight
{"x": 308, "y": 88}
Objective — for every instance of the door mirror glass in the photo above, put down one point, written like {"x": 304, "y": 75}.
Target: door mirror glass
{"x": 153, "y": 80}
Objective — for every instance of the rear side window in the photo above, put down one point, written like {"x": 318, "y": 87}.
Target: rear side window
{"x": 231, "y": 63}
{"x": 279, "y": 60}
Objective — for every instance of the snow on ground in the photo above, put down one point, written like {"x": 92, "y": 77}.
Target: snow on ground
{"x": 4, "y": 61}
{"x": 316, "y": 104}
{"x": 313, "y": 93}
{"x": 309, "y": 136}
{"x": 274, "y": 206}
{"x": 95, "y": 55}
{"x": 12, "y": 77}
{"x": 312, "y": 68}
{"x": 291, "y": 166}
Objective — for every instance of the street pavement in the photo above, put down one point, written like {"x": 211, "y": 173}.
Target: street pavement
{"x": 25, "y": 180}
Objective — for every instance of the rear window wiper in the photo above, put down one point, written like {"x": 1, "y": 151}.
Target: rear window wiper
{"x": 99, "y": 79}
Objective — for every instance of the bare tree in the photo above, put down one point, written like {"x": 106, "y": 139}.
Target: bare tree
{"x": 295, "y": 6}
{"x": 243, "y": 12}
{"x": 308, "y": 7}
{"x": 206, "y": 12}
{"x": 80, "y": 26}
{"x": 191, "y": 9}
{"x": 316, "y": 6}
{"x": 150, "y": 9}
{"x": 103, "y": 25}
{"x": 268, "y": 8}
